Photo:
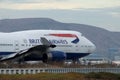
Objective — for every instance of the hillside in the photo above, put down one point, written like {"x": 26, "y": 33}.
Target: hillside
{"x": 102, "y": 38}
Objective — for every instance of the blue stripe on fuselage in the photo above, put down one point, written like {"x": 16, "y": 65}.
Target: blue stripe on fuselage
{"x": 6, "y": 53}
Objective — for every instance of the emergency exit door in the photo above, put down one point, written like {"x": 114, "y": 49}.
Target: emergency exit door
{"x": 16, "y": 45}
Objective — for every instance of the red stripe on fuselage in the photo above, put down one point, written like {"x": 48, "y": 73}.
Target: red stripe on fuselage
{"x": 64, "y": 35}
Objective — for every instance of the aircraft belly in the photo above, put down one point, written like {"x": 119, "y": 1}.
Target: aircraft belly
{"x": 35, "y": 57}
{"x": 76, "y": 55}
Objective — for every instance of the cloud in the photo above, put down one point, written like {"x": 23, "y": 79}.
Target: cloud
{"x": 57, "y": 4}
{"x": 115, "y": 14}
{"x": 25, "y": 6}
{"x": 31, "y": 1}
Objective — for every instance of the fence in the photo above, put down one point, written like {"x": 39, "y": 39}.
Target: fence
{"x": 56, "y": 70}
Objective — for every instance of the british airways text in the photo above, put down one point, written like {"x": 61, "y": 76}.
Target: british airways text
{"x": 52, "y": 41}
{"x": 58, "y": 41}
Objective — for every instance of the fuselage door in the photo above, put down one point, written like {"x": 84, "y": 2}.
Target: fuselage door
{"x": 16, "y": 45}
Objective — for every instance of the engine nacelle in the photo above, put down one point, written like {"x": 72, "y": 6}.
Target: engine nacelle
{"x": 54, "y": 56}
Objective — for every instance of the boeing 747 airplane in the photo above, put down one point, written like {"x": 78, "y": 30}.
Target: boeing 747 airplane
{"x": 45, "y": 45}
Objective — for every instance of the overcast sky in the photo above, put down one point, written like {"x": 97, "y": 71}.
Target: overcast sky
{"x": 100, "y": 13}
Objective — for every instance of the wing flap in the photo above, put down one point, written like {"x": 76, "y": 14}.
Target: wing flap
{"x": 13, "y": 55}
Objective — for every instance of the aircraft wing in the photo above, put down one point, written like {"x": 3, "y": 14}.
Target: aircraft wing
{"x": 45, "y": 45}
{"x": 13, "y": 55}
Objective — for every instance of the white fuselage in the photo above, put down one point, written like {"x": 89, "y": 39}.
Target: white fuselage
{"x": 16, "y": 41}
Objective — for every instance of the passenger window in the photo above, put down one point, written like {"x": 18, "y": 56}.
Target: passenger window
{"x": 23, "y": 45}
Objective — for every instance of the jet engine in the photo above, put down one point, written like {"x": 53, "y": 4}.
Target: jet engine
{"x": 54, "y": 56}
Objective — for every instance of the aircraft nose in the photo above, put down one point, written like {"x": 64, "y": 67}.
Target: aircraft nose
{"x": 91, "y": 46}
{"x": 94, "y": 47}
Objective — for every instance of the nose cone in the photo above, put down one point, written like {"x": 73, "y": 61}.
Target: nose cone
{"x": 92, "y": 47}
